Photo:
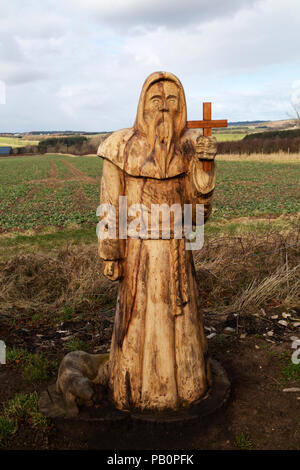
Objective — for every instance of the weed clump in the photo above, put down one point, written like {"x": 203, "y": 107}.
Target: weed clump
{"x": 35, "y": 367}
{"x": 22, "y": 409}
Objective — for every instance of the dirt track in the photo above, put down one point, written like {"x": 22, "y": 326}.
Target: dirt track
{"x": 75, "y": 175}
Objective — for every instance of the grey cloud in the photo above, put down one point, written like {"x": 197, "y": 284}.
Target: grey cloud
{"x": 27, "y": 39}
{"x": 17, "y": 77}
{"x": 244, "y": 44}
{"x": 29, "y": 19}
{"x": 15, "y": 69}
{"x": 65, "y": 70}
{"x": 140, "y": 14}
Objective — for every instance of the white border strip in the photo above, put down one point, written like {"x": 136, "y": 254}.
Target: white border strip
{"x": 2, "y": 92}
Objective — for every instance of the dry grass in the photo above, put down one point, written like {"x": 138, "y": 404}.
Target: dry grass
{"x": 281, "y": 157}
{"x": 246, "y": 272}
{"x": 282, "y": 281}
{"x": 48, "y": 282}
{"x": 234, "y": 273}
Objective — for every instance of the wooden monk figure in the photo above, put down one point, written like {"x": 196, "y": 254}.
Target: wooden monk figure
{"x": 158, "y": 356}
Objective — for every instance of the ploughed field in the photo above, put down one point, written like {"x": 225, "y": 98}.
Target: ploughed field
{"x": 63, "y": 191}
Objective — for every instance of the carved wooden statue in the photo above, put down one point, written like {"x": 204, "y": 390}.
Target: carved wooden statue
{"x": 158, "y": 356}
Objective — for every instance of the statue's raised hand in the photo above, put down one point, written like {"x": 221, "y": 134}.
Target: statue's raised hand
{"x": 206, "y": 147}
{"x": 80, "y": 377}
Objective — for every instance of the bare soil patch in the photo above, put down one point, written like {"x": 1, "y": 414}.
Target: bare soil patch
{"x": 258, "y": 407}
{"x": 53, "y": 170}
{"x": 81, "y": 176}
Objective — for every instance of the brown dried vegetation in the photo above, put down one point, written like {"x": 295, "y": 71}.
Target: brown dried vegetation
{"x": 46, "y": 282}
{"x": 234, "y": 273}
{"x": 241, "y": 273}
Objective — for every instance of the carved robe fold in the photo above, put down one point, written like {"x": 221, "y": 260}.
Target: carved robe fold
{"x": 158, "y": 356}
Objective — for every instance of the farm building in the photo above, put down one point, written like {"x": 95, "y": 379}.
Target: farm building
{"x": 5, "y": 150}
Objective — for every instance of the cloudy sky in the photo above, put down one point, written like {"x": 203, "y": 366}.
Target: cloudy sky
{"x": 80, "y": 64}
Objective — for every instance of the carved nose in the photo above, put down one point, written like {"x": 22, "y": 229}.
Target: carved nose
{"x": 164, "y": 107}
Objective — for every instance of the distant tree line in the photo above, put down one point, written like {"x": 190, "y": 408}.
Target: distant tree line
{"x": 273, "y": 134}
{"x": 75, "y": 145}
{"x": 263, "y": 142}
{"x": 62, "y": 133}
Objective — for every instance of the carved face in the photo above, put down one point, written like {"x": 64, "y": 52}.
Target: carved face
{"x": 161, "y": 97}
{"x": 161, "y": 109}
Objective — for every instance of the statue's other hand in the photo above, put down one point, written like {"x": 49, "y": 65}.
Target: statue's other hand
{"x": 206, "y": 148}
{"x": 112, "y": 270}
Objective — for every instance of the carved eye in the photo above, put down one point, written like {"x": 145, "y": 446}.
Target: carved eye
{"x": 172, "y": 100}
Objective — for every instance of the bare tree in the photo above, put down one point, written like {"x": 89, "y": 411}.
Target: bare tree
{"x": 295, "y": 114}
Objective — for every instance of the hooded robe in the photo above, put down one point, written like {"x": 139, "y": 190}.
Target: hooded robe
{"x": 158, "y": 355}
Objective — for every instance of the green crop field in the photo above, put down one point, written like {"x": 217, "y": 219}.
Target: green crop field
{"x": 15, "y": 142}
{"x": 40, "y": 191}
{"x": 251, "y": 189}
{"x": 50, "y": 196}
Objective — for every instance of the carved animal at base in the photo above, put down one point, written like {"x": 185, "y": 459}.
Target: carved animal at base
{"x": 77, "y": 375}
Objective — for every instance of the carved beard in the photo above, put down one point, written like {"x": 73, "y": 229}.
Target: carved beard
{"x": 161, "y": 134}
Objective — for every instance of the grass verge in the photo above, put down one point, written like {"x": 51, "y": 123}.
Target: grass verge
{"x": 35, "y": 367}
{"x": 22, "y": 409}
{"x": 14, "y": 243}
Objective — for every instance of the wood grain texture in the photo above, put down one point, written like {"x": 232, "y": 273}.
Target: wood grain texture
{"x": 207, "y": 124}
{"x": 206, "y": 111}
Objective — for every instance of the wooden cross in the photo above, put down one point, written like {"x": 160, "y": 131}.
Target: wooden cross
{"x": 207, "y": 124}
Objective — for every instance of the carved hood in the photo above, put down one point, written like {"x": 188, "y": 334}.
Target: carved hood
{"x": 129, "y": 148}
